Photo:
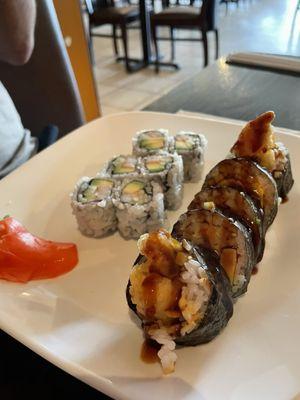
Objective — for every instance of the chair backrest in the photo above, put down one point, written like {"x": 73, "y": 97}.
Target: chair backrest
{"x": 93, "y": 5}
{"x": 208, "y": 14}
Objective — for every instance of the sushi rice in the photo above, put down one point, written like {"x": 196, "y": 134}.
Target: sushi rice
{"x": 121, "y": 166}
{"x": 95, "y": 213}
{"x": 151, "y": 141}
{"x": 194, "y": 296}
{"x": 191, "y": 147}
{"x": 139, "y": 206}
{"x": 168, "y": 169}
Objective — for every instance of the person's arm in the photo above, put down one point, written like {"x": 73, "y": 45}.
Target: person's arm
{"x": 17, "y": 22}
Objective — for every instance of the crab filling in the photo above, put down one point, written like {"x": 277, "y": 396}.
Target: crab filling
{"x": 185, "y": 142}
{"x": 135, "y": 192}
{"x": 124, "y": 165}
{"x": 152, "y": 140}
{"x": 95, "y": 190}
{"x": 157, "y": 163}
{"x": 171, "y": 291}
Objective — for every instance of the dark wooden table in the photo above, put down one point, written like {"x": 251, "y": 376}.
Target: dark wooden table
{"x": 221, "y": 89}
{"x": 237, "y": 92}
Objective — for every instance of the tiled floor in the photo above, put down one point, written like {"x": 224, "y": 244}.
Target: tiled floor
{"x": 255, "y": 25}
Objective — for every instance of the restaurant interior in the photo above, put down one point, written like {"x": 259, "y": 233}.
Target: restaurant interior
{"x": 79, "y": 48}
{"x": 107, "y": 69}
{"x": 244, "y": 26}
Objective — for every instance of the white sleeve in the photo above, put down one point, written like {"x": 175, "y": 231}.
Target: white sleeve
{"x": 16, "y": 145}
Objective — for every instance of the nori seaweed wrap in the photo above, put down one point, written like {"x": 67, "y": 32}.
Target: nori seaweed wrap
{"x": 180, "y": 293}
{"x": 237, "y": 204}
{"x": 257, "y": 142}
{"x": 229, "y": 238}
{"x": 248, "y": 176}
{"x": 220, "y": 307}
{"x": 283, "y": 174}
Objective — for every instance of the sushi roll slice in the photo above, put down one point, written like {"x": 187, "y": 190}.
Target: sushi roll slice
{"x": 168, "y": 169}
{"x": 180, "y": 293}
{"x": 237, "y": 204}
{"x": 229, "y": 238}
{"x": 283, "y": 172}
{"x": 140, "y": 207}
{"x": 92, "y": 206}
{"x": 257, "y": 141}
{"x": 191, "y": 147}
{"x": 121, "y": 166}
{"x": 150, "y": 141}
{"x": 248, "y": 176}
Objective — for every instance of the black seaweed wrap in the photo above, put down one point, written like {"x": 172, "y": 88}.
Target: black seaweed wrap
{"x": 220, "y": 306}
{"x": 183, "y": 229}
{"x": 236, "y": 204}
{"x": 285, "y": 181}
{"x": 242, "y": 174}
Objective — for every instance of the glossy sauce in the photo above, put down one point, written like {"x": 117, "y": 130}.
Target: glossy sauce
{"x": 149, "y": 351}
{"x": 254, "y": 270}
{"x": 149, "y": 286}
{"x": 174, "y": 298}
{"x": 250, "y": 143}
{"x": 162, "y": 257}
{"x": 257, "y": 140}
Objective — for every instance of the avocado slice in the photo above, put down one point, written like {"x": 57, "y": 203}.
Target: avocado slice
{"x": 157, "y": 164}
{"x": 98, "y": 189}
{"x": 123, "y": 165}
{"x": 152, "y": 141}
{"x": 134, "y": 193}
{"x": 133, "y": 187}
{"x": 184, "y": 143}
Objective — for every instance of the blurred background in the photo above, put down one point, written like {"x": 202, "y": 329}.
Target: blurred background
{"x": 97, "y": 57}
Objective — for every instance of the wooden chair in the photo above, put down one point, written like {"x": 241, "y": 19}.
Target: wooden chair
{"x": 187, "y": 18}
{"x": 103, "y": 12}
{"x": 229, "y": 1}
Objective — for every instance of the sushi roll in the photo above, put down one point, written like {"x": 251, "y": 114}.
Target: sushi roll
{"x": 191, "y": 147}
{"x": 92, "y": 206}
{"x": 230, "y": 239}
{"x": 168, "y": 169}
{"x": 248, "y": 176}
{"x": 257, "y": 141}
{"x": 237, "y": 204}
{"x": 121, "y": 166}
{"x": 139, "y": 207}
{"x": 283, "y": 173}
{"x": 151, "y": 141}
{"x": 180, "y": 293}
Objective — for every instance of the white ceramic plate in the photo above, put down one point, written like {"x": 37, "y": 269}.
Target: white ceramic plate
{"x": 80, "y": 321}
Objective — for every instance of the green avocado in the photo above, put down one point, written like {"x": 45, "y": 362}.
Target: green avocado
{"x": 152, "y": 141}
{"x": 184, "y": 143}
{"x": 134, "y": 193}
{"x": 124, "y": 168}
{"x": 133, "y": 187}
{"x": 157, "y": 164}
{"x": 98, "y": 189}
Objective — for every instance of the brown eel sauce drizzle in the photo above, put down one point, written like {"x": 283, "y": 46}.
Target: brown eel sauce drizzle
{"x": 150, "y": 293}
{"x": 255, "y": 270}
{"x": 149, "y": 351}
{"x": 162, "y": 265}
